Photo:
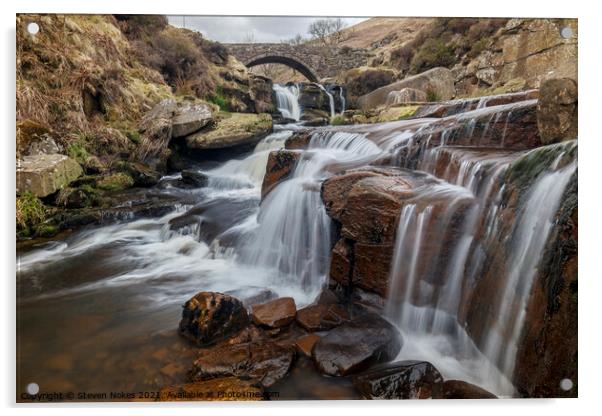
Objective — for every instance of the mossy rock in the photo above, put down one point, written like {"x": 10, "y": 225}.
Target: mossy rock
{"x": 115, "y": 182}
{"x": 30, "y": 211}
{"x": 231, "y": 129}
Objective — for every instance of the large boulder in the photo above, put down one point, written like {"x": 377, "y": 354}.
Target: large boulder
{"x": 400, "y": 380}
{"x": 557, "y": 110}
{"x": 275, "y": 313}
{"x": 406, "y": 95}
{"x": 437, "y": 82}
{"x": 265, "y": 362}
{"x": 190, "y": 117}
{"x": 44, "y": 174}
{"x": 231, "y": 129}
{"x": 356, "y": 345}
{"x": 209, "y": 317}
{"x": 261, "y": 93}
{"x": 280, "y": 166}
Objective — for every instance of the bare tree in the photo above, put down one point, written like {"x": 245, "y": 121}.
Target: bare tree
{"x": 297, "y": 40}
{"x": 249, "y": 38}
{"x": 327, "y": 31}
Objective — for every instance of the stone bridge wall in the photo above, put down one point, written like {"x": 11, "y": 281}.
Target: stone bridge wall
{"x": 315, "y": 62}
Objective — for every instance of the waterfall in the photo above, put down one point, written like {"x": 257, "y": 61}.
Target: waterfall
{"x": 330, "y": 99}
{"x": 427, "y": 287}
{"x": 293, "y": 230}
{"x": 287, "y": 101}
{"x": 342, "y": 97}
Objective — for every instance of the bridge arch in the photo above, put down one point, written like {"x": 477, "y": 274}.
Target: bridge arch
{"x": 291, "y": 62}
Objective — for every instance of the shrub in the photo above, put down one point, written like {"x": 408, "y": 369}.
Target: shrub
{"x": 432, "y": 54}
{"x": 30, "y": 211}
{"x": 78, "y": 152}
{"x": 432, "y": 96}
{"x": 338, "y": 120}
{"x": 219, "y": 99}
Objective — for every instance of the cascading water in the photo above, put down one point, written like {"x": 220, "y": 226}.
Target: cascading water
{"x": 287, "y": 101}
{"x": 330, "y": 99}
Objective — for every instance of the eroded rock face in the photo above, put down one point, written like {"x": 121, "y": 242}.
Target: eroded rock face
{"x": 275, "y": 314}
{"x": 356, "y": 345}
{"x": 231, "y": 129}
{"x": 209, "y": 317}
{"x": 44, "y": 174}
{"x": 265, "y": 362}
{"x": 227, "y": 388}
{"x": 557, "y": 110}
{"x": 190, "y": 117}
{"x": 458, "y": 389}
{"x": 400, "y": 380}
{"x": 439, "y": 81}
{"x": 195, "y": 178}
{"x": 280, "y": 166}
{"x": 298, "y": 141}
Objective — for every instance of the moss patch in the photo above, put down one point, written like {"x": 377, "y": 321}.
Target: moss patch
{"x": 115, "y": 182}
{"x": 30, "y": 211}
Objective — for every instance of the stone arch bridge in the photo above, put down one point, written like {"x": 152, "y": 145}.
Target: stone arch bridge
{"x": 314, "y": 62}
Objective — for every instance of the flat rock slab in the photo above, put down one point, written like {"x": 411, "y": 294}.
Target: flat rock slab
{"x": 276, "y": 313}
{"x": 400, "y": 380}
{"x": 232, "y": 129}
{"x": 306, "y": 343}
{"x": 266, "y": 362}
{"x": 44, "y": 174}
{"x": 190, "y": 117}
{"x": 209, "y": 317}
{"x": 321, "y": 317}
{"x": 356, "y": 345}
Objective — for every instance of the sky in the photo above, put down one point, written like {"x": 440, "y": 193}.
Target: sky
{"x": 233, "y": 29}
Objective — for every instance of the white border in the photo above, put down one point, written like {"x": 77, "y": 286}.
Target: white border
{"x": 590, "y": 292}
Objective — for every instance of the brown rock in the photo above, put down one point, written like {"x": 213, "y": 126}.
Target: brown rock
{"x": 275, "y": 314}
{"x": 264, "y": 361}
{"x": 306, "y": 344}
{"x": 400, "y": 380}
{"x": 334, "y": 191}
{"x": 557, "y": 110}
{"x": 372, "y": 265}
{"x": 458, "y": 389}
{"x": 321, "y": 317}
{"x": 209, "y": 317}
{"x": 227, "y": 388}
{"x": 298, "y": 141}
{"x": 356, "y": 345}
{"x": 280, "y": 166}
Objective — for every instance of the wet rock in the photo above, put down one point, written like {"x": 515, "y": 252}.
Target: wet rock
{"x": 406, "y": 95}
{"x": 253, "y": 295}
{"x": 321, "y": 317}
{"x": 298, "y": 141}
{"x": 280, "y": 166}
{"x": 400, "y": 380}
{"x": 306, "y": 343}
{"x": 356, "y": 345}
{"x": 437, "y": 81}
{"x": 275, "y": 314}
{"x": 312, "y": 97}
{"x": 209, "y": 317}
{"x": 77, "y": 197}
{"x": 195, "y": 178}
{"x": 458, "y": 389}
{"x": 557, "y": 110}
{"x": 334, "y": 191}
{"x": 231, "y": 129}
{"x": 266, "y": 362}
{"x": 190, "y": 117}
{"x": 45, "y": 174}
{"x": 226, "y": 389}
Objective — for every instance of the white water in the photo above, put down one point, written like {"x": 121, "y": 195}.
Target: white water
{"x": 330, "y": 99}
{"x": 287, "y": 101}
